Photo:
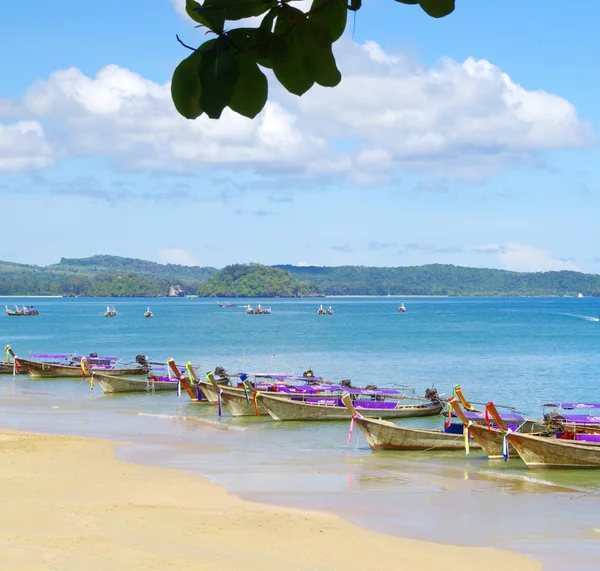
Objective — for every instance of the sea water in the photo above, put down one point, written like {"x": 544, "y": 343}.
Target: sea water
{"x": 520, "y": 352}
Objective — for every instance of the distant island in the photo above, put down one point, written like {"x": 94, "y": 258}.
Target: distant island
{"x": 114, "y": 276}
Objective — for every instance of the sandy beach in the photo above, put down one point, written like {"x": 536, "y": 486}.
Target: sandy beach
{"x": 69, "y": 503}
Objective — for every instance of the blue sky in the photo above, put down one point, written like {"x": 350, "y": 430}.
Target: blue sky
{"x": 469, "y": 140}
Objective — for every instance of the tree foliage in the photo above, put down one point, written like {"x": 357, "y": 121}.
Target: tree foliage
{"x": 445, "y": 279}
{"x": 255, "y": 280}
{"x": 226, "y": 70}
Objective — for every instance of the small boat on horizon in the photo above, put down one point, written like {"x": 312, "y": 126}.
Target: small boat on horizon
{"x": 110, "y": 311}
{"x": 148, "y": 313}
{"x": 258, "y": 311}
{"x": 323, "y": 311}
{"x": 24, "y": 311}
{"x": 226, "y": 304}
{"x": 401, "y": 308}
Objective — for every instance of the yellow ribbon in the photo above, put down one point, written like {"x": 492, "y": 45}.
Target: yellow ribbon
{"x": 8, "y": 354}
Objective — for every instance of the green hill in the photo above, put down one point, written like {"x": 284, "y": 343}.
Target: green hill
{"x": 255, "y": 280}
{"x": 443, "y": 279}
{"x": 114, "y": 276}
{"x": 100, "y": 276}
{"x": 132, "y": 266}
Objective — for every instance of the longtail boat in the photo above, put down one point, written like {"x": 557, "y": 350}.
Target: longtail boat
{"x": 557, "y": 452}
{"x": 489, "y": 428}
{"x": 262, "y": 381}
{"x": 493, "y": 436}
{"x": 243, "y": 401}
{"x": 330, "y": 407}
{"x": 385, "y": 435}
{"x": 46, "y": 365}
{"x": 111, "y": 384}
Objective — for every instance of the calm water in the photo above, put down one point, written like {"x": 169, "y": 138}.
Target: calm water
{"x": 521, "y": 352}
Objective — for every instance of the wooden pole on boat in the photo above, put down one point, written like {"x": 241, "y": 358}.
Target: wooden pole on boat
{"x": 496, "y": 416}
{"x": 453, "y": 402}
{"x": 212, "y": 381}
{"x": 347, "y": 401}
{"x": 181, "y": 379}
{"x": 458, "y": 392}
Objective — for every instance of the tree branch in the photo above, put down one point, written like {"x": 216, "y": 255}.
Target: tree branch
{"x": 184, "y": 45}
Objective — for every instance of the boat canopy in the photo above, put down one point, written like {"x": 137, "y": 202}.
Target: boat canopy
{"x": 572, "y": 405}
{"x": 579, "y": 418}
{"x": 278, "y": 376}
{"x": 90, "y": 358}
{"x": 509, "y": 416}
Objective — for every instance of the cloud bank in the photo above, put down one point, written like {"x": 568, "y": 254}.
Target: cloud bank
{"x": 457, "y": 119}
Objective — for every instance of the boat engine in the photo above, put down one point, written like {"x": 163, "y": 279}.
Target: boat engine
{"x": 432, "y": 395}
{"x": 221, "y": 373}
{"x": 142, "y": 360}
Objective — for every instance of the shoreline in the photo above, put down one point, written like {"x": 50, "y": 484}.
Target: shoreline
{"x": 71, "y": 503}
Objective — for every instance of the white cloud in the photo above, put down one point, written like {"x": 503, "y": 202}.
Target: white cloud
{"x": 177, "y": 256}
{"x": 23, "y": 146}
{"x": 179, "y": 6}
{"x": 465, "y": 120}
{"x": 523, "y": 258}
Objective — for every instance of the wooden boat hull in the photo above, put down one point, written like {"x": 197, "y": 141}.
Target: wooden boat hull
{"x": 490, "y": 440}
{"x": 48, "y": 370}
{"x": 209, "y": 393}
{"x": 6, "y": 368}
{"x": 282, "y": 408}
{"x": 235, "y": 400}
{"x": 551, "y": 452}
{"x": 384, "y": 435}
{"x": 111, "y": 384}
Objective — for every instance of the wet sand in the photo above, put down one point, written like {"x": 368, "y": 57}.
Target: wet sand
{"x": 69, "y": 503}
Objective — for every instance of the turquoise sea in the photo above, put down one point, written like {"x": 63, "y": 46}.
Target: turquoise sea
{"x": 521, "y": 352}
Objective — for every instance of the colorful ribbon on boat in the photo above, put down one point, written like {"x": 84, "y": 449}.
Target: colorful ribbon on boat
{"x": 254, "y": 397}
{"x": 83, "y": 365}
{"x": 198, "y": 392}
{"x": 92, "y": 382}
{"x": 467, "y": 436}
{"x": 244, "y": 379}
{"x": 357, "y": 415}
{"x": 8, "y": 354}
{"x": 449, "y": 421}
{"x": 505, "y": 446}
{"x": 487, "y": 417}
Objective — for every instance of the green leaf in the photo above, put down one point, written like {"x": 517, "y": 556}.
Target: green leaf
{"x": 437, "y": 8}
{"x": 251, "y": 90}
{"x": 219, "y": 72}
{"x": 250, "y": 41}
{"x": 318, "y": 59}
{"x": 185, "y": 86}
{"x": 211, "y": 18}
{"x": 288, "y": 52}
{"x": 238, "y": 9}
{"x": 332, "y": 15}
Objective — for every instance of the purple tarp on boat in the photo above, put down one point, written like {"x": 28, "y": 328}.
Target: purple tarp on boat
{"x": 44, "y": 356}
{"x": 503, "y": 416}
{"x": 572, "y": 405}
{"x": 580, "y": 418}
